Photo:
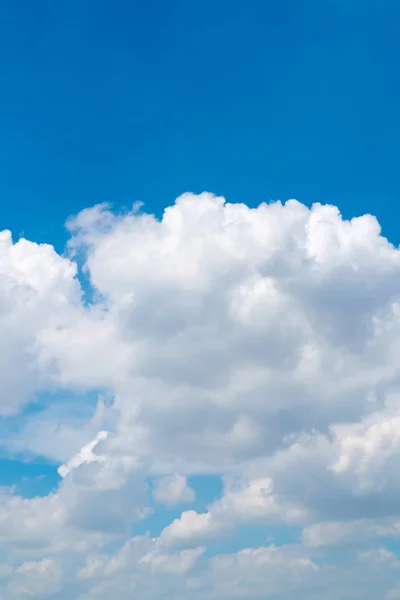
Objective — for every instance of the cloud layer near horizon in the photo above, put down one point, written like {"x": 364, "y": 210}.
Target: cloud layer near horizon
{"x": 259, "y": 346}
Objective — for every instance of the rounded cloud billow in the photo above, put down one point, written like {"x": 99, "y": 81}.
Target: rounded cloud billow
{"x": 255, "y": 345}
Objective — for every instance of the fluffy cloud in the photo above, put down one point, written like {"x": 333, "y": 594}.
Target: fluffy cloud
{"x": 251, "y": 501}
{"x": 39, "y": 579}
{"x": 173, "y": 489}
{"x": 258, "y": 345}
{"x": 221, "y": 330}
{"x": 38, "y": 290}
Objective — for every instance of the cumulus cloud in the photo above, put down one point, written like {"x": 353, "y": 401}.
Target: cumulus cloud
{"x": 37, "y": 578}
{"x": 259, "y": 345}
{"x": 245, "y": 502}
{"x": 172, "y": 490}
{"x": 38, "y": 290}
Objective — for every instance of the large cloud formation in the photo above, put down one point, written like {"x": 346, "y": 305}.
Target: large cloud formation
{"x": 259, "y": 346}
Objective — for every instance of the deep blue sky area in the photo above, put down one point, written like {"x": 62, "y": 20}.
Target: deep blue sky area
{"x": 137, "y": 100}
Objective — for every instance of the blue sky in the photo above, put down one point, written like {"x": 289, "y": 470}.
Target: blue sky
{"x": 252, "y": 100}
{"x": 248, "y": 392}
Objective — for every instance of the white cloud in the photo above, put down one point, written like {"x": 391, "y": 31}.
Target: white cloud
{"x": 260, "y": 345}
{"x": 38, "y": 290}
{"x": 264, "y": 318}
{"x": 377, "y": 556}
{"x": 190, "y": 526}
{"x": 85, "y": 456}
{"x": 349, "y": 533}
{"x": 172, "y": 490}
{"x": 242, "y": 502}
{"x": 37, "y": 579}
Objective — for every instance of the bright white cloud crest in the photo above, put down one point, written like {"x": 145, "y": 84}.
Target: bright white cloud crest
{"x": 256, "y": 345}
